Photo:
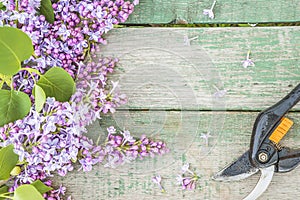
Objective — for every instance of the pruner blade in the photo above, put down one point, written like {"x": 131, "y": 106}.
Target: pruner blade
{"x": 238, "y": 170}
{"x": 262, "y": 184}
{"x": 241, "y": 169}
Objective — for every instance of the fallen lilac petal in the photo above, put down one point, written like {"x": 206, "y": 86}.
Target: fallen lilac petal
{"x": 248, "y": 63}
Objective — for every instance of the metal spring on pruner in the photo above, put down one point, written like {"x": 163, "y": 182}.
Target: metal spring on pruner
{"x": 278, "y": 146}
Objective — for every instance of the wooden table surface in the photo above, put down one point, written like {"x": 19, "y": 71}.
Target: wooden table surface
{"x": 170, "y": 88}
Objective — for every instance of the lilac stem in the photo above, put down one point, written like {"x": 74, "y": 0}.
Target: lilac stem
{"x": 213, "y": 5}
{"x": 248, "y": 55}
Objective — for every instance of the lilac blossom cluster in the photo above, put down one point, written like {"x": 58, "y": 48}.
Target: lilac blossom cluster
{"x": 52, "y": 139}
{"x": 91, "y": 93}
{"x": 121, "y": 148}
{"x": 78, "y": 28}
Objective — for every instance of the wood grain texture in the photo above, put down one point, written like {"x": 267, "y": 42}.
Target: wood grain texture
{"x": 157, "y": 71}
{"x": 229, "y": 11}
{"x": 230, "y": 137}
{"x": 170, "y": 89}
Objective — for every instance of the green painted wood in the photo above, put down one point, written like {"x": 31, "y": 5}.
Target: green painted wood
{"x": 230, "y": 133}
{"x": 230, "y": 11}
{"x": 170, "y": 89}
{"x": 157, "y": 71}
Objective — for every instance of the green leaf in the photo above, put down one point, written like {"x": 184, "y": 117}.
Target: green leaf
{"x": 3, "y": 189}
{"x": 5, "y": 79}
{"x": 2, "y": 7}
{"x": 27, "y": 192}
{"x": 14, "y": 105}
{"x": 47, "y": 10}
{"x": 41, "y": 187}
{"x": 39, "y": 98}
{"x": 15, "y": 46}
{"x": 56, "y": 82}
{"x": 8, "y": 160}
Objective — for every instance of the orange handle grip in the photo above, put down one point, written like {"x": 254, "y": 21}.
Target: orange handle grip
{"x": 281, "y": 130}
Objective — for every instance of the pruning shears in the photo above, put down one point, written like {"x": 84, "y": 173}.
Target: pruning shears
{"x": 266, "y": 154}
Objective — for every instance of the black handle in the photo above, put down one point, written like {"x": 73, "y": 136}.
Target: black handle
{"x": 288, "y": 160}
{"x": 285, "y": 104}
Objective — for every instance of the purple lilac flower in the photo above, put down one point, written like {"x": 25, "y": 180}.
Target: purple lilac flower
{"x": 122, "y": 148}
{"x": 34, "y": 3}
{"x": 248, "y": 62}
{"x": 78, "y": 26}
{"x": 185, "y": 168}
{"x": 187, "y": 183}
{"x": 220, "y": 93}
{"x": 55, "y": 194}
{"x": 205, "y": 137}
{"x": 157, "y": 180}
{"x": 23, "y": 81}
{"x": 53, "y": 139}
{"x": 136, "y": 2}
{"x": 187, "y": 179}
{"x": 210, "y": 12}
{"x": 92, "y": 95}
{"x": 187, "y": 40}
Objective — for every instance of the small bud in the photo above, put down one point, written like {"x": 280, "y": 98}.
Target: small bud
{"x": 16, "y": 171}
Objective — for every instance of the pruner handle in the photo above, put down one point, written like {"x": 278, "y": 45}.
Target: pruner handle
{"x": 288, "y": 159}
{"x": 285, "y": 104}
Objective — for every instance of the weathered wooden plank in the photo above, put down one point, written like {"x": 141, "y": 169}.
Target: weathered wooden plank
{"x": 230, "y": 133}
{"x": 230, "y": 11}
{"x": 157, "y": 71}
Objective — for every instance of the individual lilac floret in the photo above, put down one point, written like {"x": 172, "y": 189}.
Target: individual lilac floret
{"x": 157, "y": 180}
{"x": 187, "y": 179}
{"x": 24, "y": 81}
{"x": 205, "y": 137}
{"x": 210, "y": 12}
{"x": 187, "y": 183}
{"x": 248, "y": 62}
{"x": 136, "y": 2}
{"x": 187, "y": 40}
{"x": 219, "y": 93}
{"x": 186, "y": 168}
